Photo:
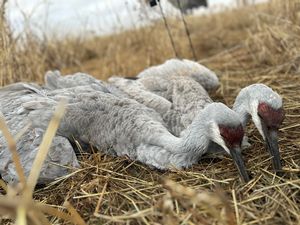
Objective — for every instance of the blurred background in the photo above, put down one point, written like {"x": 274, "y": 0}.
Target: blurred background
{"x": 54, "y": 17}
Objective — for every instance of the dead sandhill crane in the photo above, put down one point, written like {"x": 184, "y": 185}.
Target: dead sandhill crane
{"x": 265, "y": 107}
{"x": 12, "y": 101}
{"x": 257, "y": 100}
{"x": 121, "y": 126}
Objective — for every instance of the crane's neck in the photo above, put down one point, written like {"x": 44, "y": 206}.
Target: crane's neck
{"x": 192, "y": 143}
{"x": 180, "y": 152}
{"x": 244, "y": 107}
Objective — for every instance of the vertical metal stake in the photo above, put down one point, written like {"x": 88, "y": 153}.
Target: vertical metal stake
{"x": 187, "y": 31}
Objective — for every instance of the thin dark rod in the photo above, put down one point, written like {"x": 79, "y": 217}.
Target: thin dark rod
{"x": 187, "y": 31}
{"x": 168, "y": 29}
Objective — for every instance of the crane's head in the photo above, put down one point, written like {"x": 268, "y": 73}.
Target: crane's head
{"x": 226, "y": 130}
{"x": 266, "y": 109}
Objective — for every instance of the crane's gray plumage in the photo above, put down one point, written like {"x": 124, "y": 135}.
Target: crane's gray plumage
{"x": 133, "y": 90}
{"x": 122, "y": 126}
{"x": 185, "y": 96}
{"x": 136, "y": 90}
{"x": 183, "y": 83}
{"x": 54, "y": 80}
{"x": 173, "y": 89}
{"x": 180, "y": 97}
{"x": 12, "y": 101}
{"x": 185, "y": 68}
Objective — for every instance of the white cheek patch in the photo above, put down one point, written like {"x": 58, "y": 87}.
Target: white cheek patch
{"x": 217, "y": 138}
{"x": 255, "y": 118}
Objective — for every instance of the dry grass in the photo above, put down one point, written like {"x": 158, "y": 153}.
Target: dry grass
{"x": 253, "y": 44}
{"x": 17, "y": 203}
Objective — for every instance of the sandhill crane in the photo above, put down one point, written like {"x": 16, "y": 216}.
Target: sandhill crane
{"x": 266, "y": 110}
{"x": 122, "y": 126}
{"x": 12, "y": 100}
{"x": 261, "y": 102}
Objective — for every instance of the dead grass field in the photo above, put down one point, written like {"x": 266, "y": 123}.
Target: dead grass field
{"x": 245, "y": 46}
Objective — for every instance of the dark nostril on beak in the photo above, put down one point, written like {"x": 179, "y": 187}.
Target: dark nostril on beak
{"x": 282, "y": 162}
{"x": 251, "y": 175}
{"x": 280, "y": 173}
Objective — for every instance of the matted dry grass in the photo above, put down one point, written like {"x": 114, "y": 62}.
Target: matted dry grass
{"x": 262, "y": 45}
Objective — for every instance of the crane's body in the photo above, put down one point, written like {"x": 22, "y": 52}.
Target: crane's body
{"x": 122, "y": 126}
{"x": 12, "y": 99}
{"x": 182, "y": 84}
{"x": 178, "y": 100}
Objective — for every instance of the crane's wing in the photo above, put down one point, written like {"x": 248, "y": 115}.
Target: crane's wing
{"x": 188, "y": 97}
{"x": 181, "y": 97}
{"x": 136, "y": 90}
{"x": 12, "y": 100}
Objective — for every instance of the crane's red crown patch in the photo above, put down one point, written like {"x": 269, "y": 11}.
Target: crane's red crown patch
{"x": 232, "y": 136}
{"x": 273, "y": 118}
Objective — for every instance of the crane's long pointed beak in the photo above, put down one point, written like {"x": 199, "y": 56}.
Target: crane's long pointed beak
{"x": 272, "y": 145}
{"x": 238, "y": 160}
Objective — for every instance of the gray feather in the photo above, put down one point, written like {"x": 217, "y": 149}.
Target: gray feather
{"x": 13, "y": 99}
{"x": 54, "y": 80}
{"x": 121, "y": 126}
{"x": 185, "y": 68}
{"x": 177, "y": 99}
